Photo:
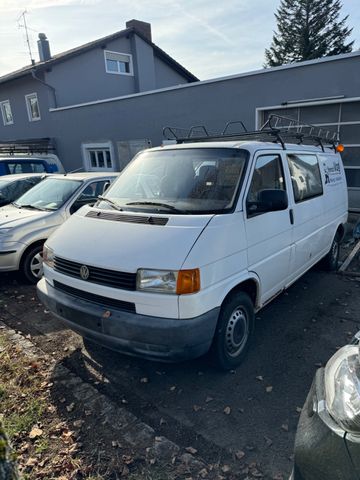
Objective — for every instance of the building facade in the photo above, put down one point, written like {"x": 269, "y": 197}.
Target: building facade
{"x": 323, "y": 92}
{"x": 125, "y": 63}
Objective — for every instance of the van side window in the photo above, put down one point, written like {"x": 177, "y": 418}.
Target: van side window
{"x": 268, "y": 175}
{"x": 305, "y": 176}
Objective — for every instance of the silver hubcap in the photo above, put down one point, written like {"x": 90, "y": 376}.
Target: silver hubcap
{"x": 237, "y": 332}
{"x": 36, "y": 265}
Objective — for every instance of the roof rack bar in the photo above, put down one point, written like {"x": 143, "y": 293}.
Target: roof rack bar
{"x": 229, "y": 124}
{"x": 197, "y": 127}
{"x": 277, "y": 129}
{"x": 171, "y": 131}
{"x": 30, "y": 147}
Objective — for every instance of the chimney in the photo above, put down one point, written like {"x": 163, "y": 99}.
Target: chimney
{"x": 43, "y": 47}
{"x": 143, "y": 28}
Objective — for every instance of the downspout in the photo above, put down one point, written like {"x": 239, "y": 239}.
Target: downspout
{"x": 53, "y": 90}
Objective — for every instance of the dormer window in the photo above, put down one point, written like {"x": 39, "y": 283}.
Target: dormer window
{"x": 118, "y": 63}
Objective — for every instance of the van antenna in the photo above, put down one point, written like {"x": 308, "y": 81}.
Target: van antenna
{"x": 24, "y": 25}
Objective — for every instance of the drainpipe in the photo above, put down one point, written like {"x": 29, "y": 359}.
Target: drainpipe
{"x": 33, "y": 74}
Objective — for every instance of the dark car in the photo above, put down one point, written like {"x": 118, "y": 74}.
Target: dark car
{"x": 13, "y": 186}
{"x": 327, "y": 444}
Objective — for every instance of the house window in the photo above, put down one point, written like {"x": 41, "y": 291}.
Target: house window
{"x": 6, "y": 112}
{"x": 98, "y": 157}
{"x": 32, "y": 105}
{"x": 118, "y": 63}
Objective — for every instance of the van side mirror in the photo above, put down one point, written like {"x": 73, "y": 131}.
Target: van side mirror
{"x": 272, "y": 200}
{"x": 269, "y": 201}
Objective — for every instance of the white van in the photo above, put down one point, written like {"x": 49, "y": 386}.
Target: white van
{"x": 190, "y": 241}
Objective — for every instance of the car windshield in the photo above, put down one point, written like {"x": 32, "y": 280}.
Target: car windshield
{"x": 194, "y": 180}
{"x": 50, "y": 194}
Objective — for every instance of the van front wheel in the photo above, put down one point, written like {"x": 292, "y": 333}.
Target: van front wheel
{"x": 234, "y": 331}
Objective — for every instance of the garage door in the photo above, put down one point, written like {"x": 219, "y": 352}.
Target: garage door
{"x": 342, "y": 117}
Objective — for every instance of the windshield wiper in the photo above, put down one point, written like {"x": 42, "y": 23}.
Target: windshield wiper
{"x": 111, "y": 202}
{"x": 158, "y": 204}
{"x": 32, "y": 207}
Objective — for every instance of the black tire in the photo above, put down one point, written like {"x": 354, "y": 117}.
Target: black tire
{"x": 331, "y": 261}
{"x": 31, "y": 264}
{"x": 234, "y": 331}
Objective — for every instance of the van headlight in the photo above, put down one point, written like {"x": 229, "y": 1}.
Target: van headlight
{"x": 48, "y": 256}
{"x": 178, "y": 282}
{"x": 342, "y": 385}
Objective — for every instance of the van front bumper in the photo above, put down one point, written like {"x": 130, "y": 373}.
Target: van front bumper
{"x": 164, "y": 339}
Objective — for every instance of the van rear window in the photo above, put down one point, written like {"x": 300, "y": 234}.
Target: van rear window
{"x": 305, "y": 176}
{"x": 25, "y": 167}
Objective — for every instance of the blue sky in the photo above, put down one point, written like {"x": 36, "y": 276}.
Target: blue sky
{"x": 209, "y": 37}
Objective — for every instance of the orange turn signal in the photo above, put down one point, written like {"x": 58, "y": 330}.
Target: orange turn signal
{"x": 188, "y": 281}
{"x": 340, "y": 148}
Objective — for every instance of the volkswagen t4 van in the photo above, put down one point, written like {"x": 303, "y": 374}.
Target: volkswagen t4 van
{"x": 192, "y": 239}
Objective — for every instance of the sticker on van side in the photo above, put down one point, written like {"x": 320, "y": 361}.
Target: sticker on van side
{"x": 332, "y": 170}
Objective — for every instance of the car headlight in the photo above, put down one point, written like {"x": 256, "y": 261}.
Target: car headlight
{"x": 48, "y": 256}
{"x": 342, "y": 386}
{"x": 178, "y": 282}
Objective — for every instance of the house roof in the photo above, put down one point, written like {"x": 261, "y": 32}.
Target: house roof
{"x": 61, "y": 57}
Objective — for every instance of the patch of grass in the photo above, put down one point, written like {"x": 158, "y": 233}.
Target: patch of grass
{"x": 20, "y": 422}
{"x": 42, "y": 446}
{"x": 2, "y": 391}
{"x": 21, "y": 403}
{"x": 153, "y": 473}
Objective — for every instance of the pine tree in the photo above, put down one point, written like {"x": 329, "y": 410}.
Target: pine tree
{"x": 308, "y": 29}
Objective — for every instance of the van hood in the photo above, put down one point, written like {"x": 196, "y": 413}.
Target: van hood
{"x": 125, "y": 245}
{"x": 11, "y": 216}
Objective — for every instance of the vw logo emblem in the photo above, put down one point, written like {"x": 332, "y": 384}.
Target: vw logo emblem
{"x": 84, "y": 272}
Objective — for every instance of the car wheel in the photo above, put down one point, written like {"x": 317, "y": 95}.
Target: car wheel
{"x": 32, "y": 264}
{"x": 234, "y": 331}
{"x": 331, "y": 260}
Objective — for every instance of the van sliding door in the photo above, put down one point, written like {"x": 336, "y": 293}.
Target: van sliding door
{"x": 309, "y": 235}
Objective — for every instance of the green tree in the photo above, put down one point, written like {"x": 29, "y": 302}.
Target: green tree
{"x": 308, "y": 29}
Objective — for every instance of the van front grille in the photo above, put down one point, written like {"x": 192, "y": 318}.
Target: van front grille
{"x": 101, "y": 276}
{"x": 98, "y": 299}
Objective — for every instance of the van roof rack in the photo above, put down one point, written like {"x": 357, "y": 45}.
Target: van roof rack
{"x": 277, "y": 129}
{"x": 29, "y": 147}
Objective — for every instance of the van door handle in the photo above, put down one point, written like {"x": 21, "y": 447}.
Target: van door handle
{"x": 291, "y": 213}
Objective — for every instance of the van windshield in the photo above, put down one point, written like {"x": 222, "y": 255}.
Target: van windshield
{"x": 194, "y": 180}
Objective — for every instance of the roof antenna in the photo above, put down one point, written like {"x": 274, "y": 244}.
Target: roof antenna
{"x": 26, "y": 33}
